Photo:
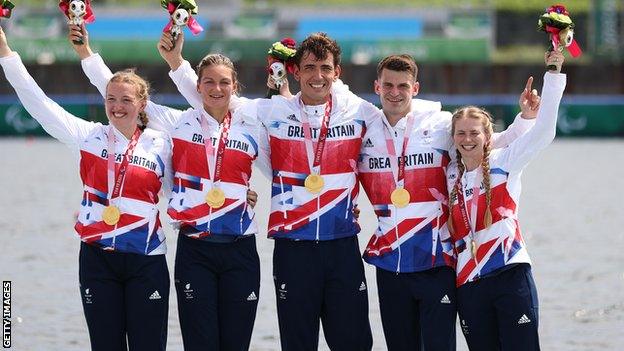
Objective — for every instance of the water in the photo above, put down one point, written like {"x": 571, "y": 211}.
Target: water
{"x": 570, "y": 214}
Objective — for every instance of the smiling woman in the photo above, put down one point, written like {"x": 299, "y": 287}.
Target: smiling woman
{"x": 126, "y": 97}
{"x": 496, "y": 295}
{"x": 124, "y": 280}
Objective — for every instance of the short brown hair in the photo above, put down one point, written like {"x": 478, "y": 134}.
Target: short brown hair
{"x": 320, "y": 45}
{"x": 399, "y": 63}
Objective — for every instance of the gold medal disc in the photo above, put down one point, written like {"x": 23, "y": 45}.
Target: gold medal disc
{"x": 400, "y": 197}
{"x": 111, "y": 215}
{"x": 215, "y": 198}
{"x": 314, "y": 183}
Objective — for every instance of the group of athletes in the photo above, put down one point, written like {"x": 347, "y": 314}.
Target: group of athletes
{"x": 444, "y": 187}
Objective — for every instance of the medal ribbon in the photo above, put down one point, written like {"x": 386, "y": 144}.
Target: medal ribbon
{"x": 471, "y": 210}
{"x": 314, "y": 157}
{"x": 398, "y": 164}
{"x": 121, "y": 174}
{"x": 215, "y": 163}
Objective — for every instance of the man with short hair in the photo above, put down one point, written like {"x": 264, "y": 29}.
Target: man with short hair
{"x": 315, "y": 140}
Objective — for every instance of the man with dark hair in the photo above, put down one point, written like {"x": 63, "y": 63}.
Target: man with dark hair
{"x": 317, "y": 266}
{"x": 402, "y": 169}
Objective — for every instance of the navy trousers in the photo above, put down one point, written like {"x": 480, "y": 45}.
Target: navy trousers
{"x": 418, "y": 310}
{"x": 125, "y": 297}
{"x": 218, "y": 286}
{"x": 321, "y": 281}
{"x": 500, "y": 311}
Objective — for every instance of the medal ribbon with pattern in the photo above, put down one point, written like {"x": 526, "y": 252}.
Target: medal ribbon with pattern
{"x": 314, "y": 182}
{"x": 400, "y": 197}
{"x": 470, "y": 210}
{"x": 111, "y": 213}
{"x": 215, "y": 197}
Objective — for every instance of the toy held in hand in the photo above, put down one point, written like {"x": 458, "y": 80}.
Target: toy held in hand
{"x": 280, "y": 63}
{"x": 557, "y": 22}
{"x": 6, "y": 8}
{"x": 77, "y": 13}
{"x": 181, "y": 12}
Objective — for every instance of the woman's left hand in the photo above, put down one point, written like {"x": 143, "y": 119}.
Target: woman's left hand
{"x": 252, "y": 198}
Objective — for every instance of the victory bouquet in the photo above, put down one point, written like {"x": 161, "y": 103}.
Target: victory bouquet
{"x": 6, "y": 8}
{"x": 558, "y": 24}
{"x": 280, "y": 63}
{"x": 180, "y": 12}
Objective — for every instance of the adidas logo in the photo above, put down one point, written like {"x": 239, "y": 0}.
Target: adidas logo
{"x": 155, "y": 295}
{"x": 524, "y": 319}
{"x": 368, "y": 143}
{"x": 252, "y": 296}
{"x": 362, "y": 287}
{"x": 292, "y": 118}
{"x": 445, "y": 299}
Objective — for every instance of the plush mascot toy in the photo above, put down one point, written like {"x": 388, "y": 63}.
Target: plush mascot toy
{"x": 180, "y": 12}
{"x": 280, "y": 63}
{"x": 77, "y": 13}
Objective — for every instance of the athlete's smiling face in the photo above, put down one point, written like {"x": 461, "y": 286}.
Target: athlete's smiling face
{"x": 123, "y": 105}
{"x": 216, "y": 85}
{"x": 395, "y": 90}
{"x": 470, "y": 138}
{"x": 315, "y": 77}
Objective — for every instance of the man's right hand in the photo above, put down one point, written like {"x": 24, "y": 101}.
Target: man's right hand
{"x": 77, "y": 34}
{"x": 171, "y": 51}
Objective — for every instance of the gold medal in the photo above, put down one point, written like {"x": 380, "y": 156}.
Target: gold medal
{"x": 314, "y": 183}
{"x": 111, "y": 215}
{"x": 215, "y": 198}
{"x": 400, "y": 197}
{"x": 473, "y": 248}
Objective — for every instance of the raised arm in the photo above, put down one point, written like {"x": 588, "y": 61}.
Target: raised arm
{"x": 523, "y": 149}
{"x": 182, "y": 74}
{"x": 59, "y": 123}
{"x": 160, "y": 117}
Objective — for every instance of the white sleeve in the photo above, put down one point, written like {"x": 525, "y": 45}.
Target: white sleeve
{"x": 167, "y": 181}
{"x": 513, "y": 132}
{"x": 263, "y": 161}
{"x": 249, "y": 112}
{"x": 185, "y": 80}
{"x": 160, "y": 117}
{"x": 60, "y": 124}
{"x": 98, "y": 73}
{"x": 522, "y": 150}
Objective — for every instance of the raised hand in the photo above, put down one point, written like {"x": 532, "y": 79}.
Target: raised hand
{"x": 171, "y": 50}
{"x": 284, "y": 89}
{"x": 554, "y": 59}
{"x": 78, "y": 34}
{"x": 529, "y": 101}
{"x": 5, "y": 50}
